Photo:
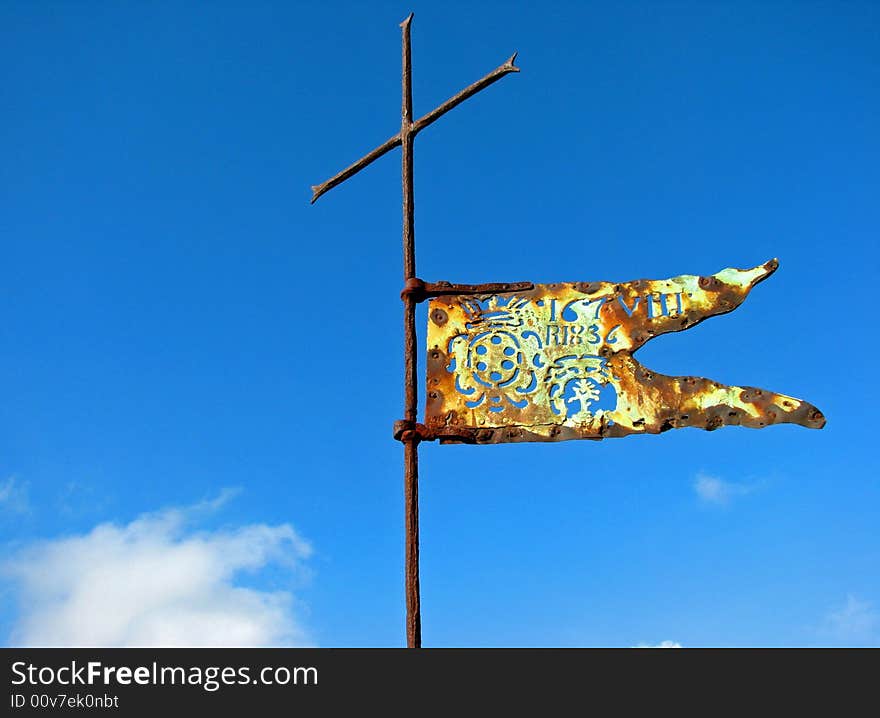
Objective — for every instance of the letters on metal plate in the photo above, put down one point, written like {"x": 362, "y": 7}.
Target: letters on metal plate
{"x": 556, "y": 362}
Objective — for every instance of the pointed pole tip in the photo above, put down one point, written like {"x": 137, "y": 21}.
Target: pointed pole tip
{"x": 408, "y": 20}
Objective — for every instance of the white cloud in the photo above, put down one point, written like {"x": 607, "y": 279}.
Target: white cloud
{"x": 157, "y": 581}
{"x": 13, "y": 496}
{"x": 856, "y": 622}
{"x": 662, "y": 644}
{"x": 712, "y": 490}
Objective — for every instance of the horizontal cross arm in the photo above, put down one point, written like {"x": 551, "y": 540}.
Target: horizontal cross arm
{"x": 417, "y": 126}
{"x": 467, "y": 92}
{"x": 385, "y": 147}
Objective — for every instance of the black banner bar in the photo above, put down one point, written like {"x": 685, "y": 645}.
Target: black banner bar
{"x": 171, "y": 682}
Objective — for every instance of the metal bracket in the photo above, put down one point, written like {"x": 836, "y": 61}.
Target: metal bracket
{"x": 420, "y": 290}
{"x": 409, "y": 431}
{"x": 405, "y": 431}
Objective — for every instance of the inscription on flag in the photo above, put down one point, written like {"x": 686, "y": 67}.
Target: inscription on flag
{"x": 556, "y": 362}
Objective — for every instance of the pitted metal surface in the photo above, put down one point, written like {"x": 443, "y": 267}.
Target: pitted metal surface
{"x": 556, "y": 362}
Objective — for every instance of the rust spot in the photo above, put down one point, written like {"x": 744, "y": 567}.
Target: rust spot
{"x": 709, "y": 283}
{"x": 588, "y": 287}
{"x": 439, "y": 317}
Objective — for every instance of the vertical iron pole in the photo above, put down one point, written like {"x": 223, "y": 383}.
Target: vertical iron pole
{"x": 411, "y": 439}
{"x": 410, "y": 436}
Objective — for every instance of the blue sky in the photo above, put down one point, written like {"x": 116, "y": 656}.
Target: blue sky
{"x": 200, "y": 370}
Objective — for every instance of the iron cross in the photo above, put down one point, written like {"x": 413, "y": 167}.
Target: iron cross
{"x": 414, "y": 291}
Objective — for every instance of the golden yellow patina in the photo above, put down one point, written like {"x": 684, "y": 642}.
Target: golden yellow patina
{"x": 556, "y": 362}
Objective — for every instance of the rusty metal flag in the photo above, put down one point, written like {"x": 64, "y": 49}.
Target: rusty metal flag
{"x": 556, "y": 362}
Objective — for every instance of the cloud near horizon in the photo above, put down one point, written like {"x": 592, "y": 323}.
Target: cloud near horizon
{"x": 855, "y": 623}
{"x": 718, "y": 492}
{"x": 157, "y": 581}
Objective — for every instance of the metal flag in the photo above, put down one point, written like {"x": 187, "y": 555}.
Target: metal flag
{"x": 556, "y": 362}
